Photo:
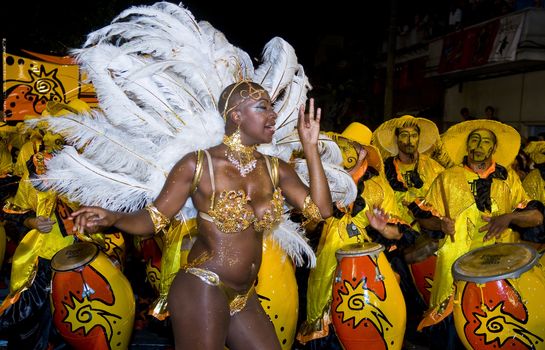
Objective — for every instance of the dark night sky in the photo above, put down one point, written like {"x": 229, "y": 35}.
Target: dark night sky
{"x": 55, "y": 26}
{"x": 342, "y": 78}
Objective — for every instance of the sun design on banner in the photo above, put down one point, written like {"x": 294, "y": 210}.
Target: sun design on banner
{"x": 33, "y": 91}
{"x": 88, "y": 314}
{"x": 46, "y": 85}
{"x": 360, "y": 303}
{"x": 495, "y": 325}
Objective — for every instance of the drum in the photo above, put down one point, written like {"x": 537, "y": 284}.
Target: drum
{"x": 368, "y": 309}
{"x": 499, "y": 301}
{"x": 92, "y": 301}
{"x": 152, "y": 251}
{"x": 114, "y": 247}
{"x": 276, "y": 289}
{"x": 422, "y": 259}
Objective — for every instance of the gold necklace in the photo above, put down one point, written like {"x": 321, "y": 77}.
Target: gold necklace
{"x": 242, "y": 157}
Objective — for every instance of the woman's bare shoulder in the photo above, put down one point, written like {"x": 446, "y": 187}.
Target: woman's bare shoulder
{"x": 185, "y": 167}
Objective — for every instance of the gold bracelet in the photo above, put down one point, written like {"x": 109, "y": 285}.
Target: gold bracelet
{"x": 160, "y": 220}
{"x": 311, "y": 211}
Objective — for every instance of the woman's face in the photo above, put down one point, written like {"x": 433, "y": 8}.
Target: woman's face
{"x": 257, "y": 119}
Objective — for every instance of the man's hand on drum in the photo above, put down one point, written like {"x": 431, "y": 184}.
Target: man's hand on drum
{"x": 378, "y": 219}
{"x": 496, "y": 225}
{"x": 447, "y": 226}
{"x": 92, "y": 219}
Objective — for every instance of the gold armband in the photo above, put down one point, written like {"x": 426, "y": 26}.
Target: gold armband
{"x": 160, "y": 220}
{"x": 311, "y": 211}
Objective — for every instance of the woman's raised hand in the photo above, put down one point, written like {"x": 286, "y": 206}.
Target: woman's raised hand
{"x": 308, "y": 124}
{"x": 93, "y": 219}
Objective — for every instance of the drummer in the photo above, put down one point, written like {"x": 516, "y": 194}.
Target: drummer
{"x": 372, "y": 217}
{"x": 479, "y": 202}
{"x": 25, "y": 314}
{"x": 404, "y": 143}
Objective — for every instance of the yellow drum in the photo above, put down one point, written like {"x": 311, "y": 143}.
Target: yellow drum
{"x": 276, "y": 288}
{"x": 499, "y": 302}
{"x": 368, "y": 309}
{"x": 92, "y": 301}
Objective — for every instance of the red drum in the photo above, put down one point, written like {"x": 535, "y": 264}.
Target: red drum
{"x": 152, "y": 252}
{"x": 368, "y": 308}
{"x": 499, "y": 301}
{"x": 92, "y": 301}
{"x": 422, "y": 259}
{"x": 422, "y": 273}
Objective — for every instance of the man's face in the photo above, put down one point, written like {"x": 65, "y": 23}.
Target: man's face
{"x": 481, "y": 144}
{"x": 352, "y": 152}
{"x": 407, "y": 140}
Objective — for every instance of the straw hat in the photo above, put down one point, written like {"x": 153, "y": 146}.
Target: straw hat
{"x": 536, "y": 151}
{"x": 361, "y": 134}
{"x": 385, "y": 136}
{"x": 508, "y": 140}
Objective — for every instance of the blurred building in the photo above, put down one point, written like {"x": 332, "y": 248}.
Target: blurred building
{"x": 489, "y": 58}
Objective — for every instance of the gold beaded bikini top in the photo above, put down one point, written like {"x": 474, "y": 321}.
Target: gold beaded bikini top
{"x": 230, "y": 211}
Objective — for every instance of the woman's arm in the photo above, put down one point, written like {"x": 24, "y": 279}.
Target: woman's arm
{"x": 173, "y": 196}
{"x": 295, "y": 191}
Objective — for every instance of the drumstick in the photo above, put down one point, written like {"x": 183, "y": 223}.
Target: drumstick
{"x": 445, "y": 203}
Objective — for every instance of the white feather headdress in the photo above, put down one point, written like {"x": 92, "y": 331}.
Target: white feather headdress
{"x": 158, "y": 74}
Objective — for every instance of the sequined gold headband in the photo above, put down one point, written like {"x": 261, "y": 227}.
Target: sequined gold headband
{"x": 252, "y": 93}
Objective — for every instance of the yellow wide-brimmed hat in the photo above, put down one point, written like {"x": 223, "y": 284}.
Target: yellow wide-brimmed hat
{"x": 385, "y": 138}
{"x": 508, "y": 140}
{"x": 536, "y": 151}
{"x": 357, "y": 132}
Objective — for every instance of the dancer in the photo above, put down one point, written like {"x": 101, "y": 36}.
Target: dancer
{"x": 239, "y": 194}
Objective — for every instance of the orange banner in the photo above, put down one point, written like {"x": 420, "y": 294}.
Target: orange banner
{"x": 29, "y": 83}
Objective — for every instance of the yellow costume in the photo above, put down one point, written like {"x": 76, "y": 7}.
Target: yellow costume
{"x": 6, "y": 162}
{"x": 400, "y": 177}
{"x": 177, "y": 242}
{"x": 534, "y": 182}
{"x": 452, "y": 190}
{"x": 35, "y": 243}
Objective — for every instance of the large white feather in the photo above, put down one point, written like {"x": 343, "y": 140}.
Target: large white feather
{"x": 291, "y": 238}
{"x": 158, "y": 74}
{"x": 279, "y": 64}
{"x": 83, "y": 182}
